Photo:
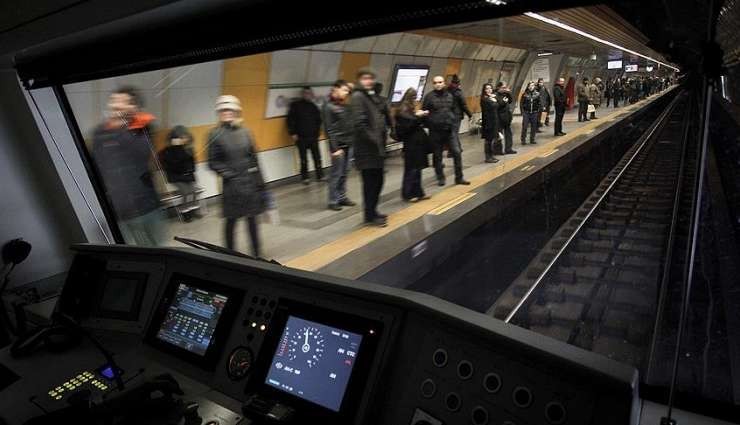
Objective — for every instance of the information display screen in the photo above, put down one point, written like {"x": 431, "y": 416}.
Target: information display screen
{"x": 630, "y": 68}
{"x": 191, "y": 318}
{"x": 314, "y": 362}
{"x": 614, "y": 64}
{"x": 409, "y": 77}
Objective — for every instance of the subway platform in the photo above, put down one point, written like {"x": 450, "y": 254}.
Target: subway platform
{"x": 309, "y": 236}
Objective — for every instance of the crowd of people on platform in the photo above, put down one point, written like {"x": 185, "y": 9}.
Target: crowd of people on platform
{"x": 357, "y": 121}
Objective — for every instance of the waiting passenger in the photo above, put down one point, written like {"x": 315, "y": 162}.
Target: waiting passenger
{"x": 368, "y": 142}
{"x": 560, "y": 100}
{"x": 582, "y": 92}
{"x": 382, "y": 103}
{"x": 231, "y": 154}
{"x": 440, "y": 104}
{"x": 594, "y": 96}
{"x": 608, "y": 91}
{"x": 530, "y": 107}
{"x": 338, "y": 125}
{"x": 489, "y": 115}
{"x": 304, "y": 125}
{"x": 617, "y": 91}
{"x": 459, "y": 108}
{"x": 505, "y": 116}
{"x": 124, "y": 156}
{"x": 545, "y": 103}
{"x": 179, "y": 166}
{"x": 410, "y": 130}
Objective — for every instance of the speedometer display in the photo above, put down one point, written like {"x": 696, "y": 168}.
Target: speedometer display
{"x": 306, "y": 346}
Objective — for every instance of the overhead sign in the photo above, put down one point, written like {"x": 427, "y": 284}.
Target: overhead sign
{"x": 630, "y": 68}
{"x": 541, "y": 69}
{"x": 614, "y": 64}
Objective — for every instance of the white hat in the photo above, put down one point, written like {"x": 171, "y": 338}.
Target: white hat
{"x": 228, "y": 101}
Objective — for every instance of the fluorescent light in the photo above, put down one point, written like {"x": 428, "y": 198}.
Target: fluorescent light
{"x": 544, "y": 54}
{"x": 595, "y": 38}
{"x": 497, "y": 2}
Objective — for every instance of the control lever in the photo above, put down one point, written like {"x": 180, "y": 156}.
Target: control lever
{"x": 267, "y": 411}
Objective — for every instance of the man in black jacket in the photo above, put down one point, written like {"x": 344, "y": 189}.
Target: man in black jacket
{"x": 505, "y": 116}
{"x": 459, "y": 107}
{"x": 368, "y": 138}
{"x": 440, "y": 104}
{"x": 338, "y": 125}
{"x": 560, "y": 101}
{"x": 304, "y": 124}
{"x": 544, "y": 103}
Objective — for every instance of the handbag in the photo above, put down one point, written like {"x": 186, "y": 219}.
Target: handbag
{"x": 591, "y": 108}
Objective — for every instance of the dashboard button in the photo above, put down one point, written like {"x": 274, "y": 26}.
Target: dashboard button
{"x": 492, "y": 382}
{"x": 453, "y": 402}
{"x": 439, "y": 358}
{"x": 522, "y": 397}
{"x": 555, "y": 413}
{"x": 428, "y": 388}
{"x": 464, "y": 369}
{"x": 479, "y": 416}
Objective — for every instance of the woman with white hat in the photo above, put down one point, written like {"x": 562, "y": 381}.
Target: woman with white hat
{"x": 231, "y": 154}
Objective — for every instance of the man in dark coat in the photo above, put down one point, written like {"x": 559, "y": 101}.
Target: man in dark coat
{"x": 124, "y": 156}
{"x": 544, "y": 103}
{"x": 582, "y": 92}
{"x": 368, "y": 138}
{"x": 338, "y": 125}
{"x": 459, "y": 107}
{"x": 304, "y": 125}
{"x": 489, "y": 121}
{"x": 560, "y": 101}
{"x": 231, "y": 154}
{"x": 530, "y": 107}
{"x": 505, "y": 116}
{"x": 441, "y": 121}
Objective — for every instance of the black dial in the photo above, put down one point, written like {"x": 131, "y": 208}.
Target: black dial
{"x": 306, "y": 345}
{"x": 240, "y": 361}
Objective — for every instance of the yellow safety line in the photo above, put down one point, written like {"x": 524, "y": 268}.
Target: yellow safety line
{"x": 549, "y": 153}
{"x": 449, "y": 205}
{"x": 345, "y": 244}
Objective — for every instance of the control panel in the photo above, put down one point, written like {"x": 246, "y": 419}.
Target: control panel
{"x": 274, "y": 345}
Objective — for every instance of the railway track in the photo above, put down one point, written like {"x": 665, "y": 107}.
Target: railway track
{"x": 597, "y": 283}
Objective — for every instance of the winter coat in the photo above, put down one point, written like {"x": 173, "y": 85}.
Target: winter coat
{"x": 178, "y": 164}
{"x": 123, "y": 157}
{"x": 505, "y": 115}
{"x": 489, "y": 113}
{"x": 582, "y": 91}
{"x": 440, "y": 104}
{"x": 231, "y": 154}
{"x": 410, "y": 130}
{"x": 545, "y": 100}
{"x": 304, "y": 119}
{"x": 530, "y": 102}
{"x": 559, "y": 98}
{"x": 459, "y": 106}
{"x": 338, "y": 125}
{"x": 594, "y": 95}
{"x": 368, "y": 131}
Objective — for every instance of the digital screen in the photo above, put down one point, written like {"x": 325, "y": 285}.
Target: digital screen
{"x": 314, "y": 362}
{"x": 191, "y": 318}
{"x": 614, "y": 64}
{"x": 630, "y": 68}
{"x": 407, "y": 78}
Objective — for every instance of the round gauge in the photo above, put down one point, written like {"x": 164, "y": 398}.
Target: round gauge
{"x": 240, "y": 361}
{"x": 306, "y": 345}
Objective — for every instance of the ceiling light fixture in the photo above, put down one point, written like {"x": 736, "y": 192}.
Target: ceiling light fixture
{"x": 497, "y": 2}
{"x": 544, "y": 54}
{"x": 595, "y": 38}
